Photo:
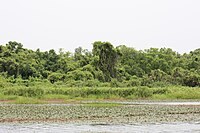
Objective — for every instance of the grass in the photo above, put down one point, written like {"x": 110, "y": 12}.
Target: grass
{"x": 39, "y": 94}
{"x": 161, "y": 97}
{"x": 8, "y": 97}
{"x": 54, "y": 96}
{"x": 26, "y": 100}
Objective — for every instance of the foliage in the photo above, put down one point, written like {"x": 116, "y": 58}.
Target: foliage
{"x": 104, "y": 66}
{"x": 143, "y": 92}
{"x": 107, "y": 57}
{"x": 42, "y": 93}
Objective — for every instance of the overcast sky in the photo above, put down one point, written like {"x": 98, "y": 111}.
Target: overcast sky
{"x": 54, "y": 24}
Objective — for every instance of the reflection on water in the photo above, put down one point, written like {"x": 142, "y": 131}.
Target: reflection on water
{"x": 99, "y": 128}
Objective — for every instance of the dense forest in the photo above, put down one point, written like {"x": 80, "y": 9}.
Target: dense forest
{"x": 104, "y": 66}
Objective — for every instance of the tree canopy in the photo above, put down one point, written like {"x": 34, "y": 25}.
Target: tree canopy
{"x": 120, "y": 65}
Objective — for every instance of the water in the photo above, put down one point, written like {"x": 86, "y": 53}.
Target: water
{"x": 162, "y": 103}
{"x": 194, "y": 103}
{"x": 99, "y": 128}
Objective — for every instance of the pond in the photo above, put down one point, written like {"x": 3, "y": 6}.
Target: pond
{"x": 98, "y": 128}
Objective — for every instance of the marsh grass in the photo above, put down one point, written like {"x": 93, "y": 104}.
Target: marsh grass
{"x": 193, "y": 93}
{"x": 39, "y": 93}
{"x": 178, "y": 92}
{"x": 55, "y": 96}
{"x": 27, "y": 100}
{"x": 8, "y": 97}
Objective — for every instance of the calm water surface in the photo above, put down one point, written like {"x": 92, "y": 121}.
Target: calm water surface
{"x": 99, "y": 128}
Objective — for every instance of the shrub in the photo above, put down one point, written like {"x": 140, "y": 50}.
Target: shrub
{"x": 134, "y": 81}
{"x": 24, "y": 91}
{"x": 160, "y": 90}
{"x": 143, "y": 92}
{"x": 54, "y": 77}
{"x": 79, "y": 75}
{"x": 114, "y": 83}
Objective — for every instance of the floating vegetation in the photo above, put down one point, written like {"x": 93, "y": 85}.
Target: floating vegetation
{"x": 98, "y": 113}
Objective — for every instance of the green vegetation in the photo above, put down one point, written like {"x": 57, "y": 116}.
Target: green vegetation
{"x": 26, "y": 100}
{"x": 42, "y": 94}
{"x": 98, "y": 113}
{"x": 8, "y": 97}
{"x": 106, "y": 72}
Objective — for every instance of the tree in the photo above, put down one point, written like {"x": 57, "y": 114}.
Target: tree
{"x": 82, "y": 56}
{"x": 51, "y": 59}
{"x": 107, "y": 57}
{"x": 105, "y": 63}
{"x": 14, "y": 46}
{"x": 192, "y": 79}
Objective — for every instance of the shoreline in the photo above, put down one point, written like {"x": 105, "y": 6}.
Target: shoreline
{"x": 120, "y": 101}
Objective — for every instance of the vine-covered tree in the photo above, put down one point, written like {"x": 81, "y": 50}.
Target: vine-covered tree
{"x": 107, "y": 57}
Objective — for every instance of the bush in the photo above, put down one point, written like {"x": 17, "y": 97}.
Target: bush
{"x": 54, "y": 77}
{"x": 160, "y": 90}
{"x": 143, "y": 92}
{"x": 4, "y": 83}
{"x": 159, "y": 84}
{"x": 92, "y": 83}
{"x": 24, "y": 91}
{"x": 114, "y": 83}
{"x": 79, "y": 75}
{"x": 192, "y": 80}
{"x": 134, "y": 81}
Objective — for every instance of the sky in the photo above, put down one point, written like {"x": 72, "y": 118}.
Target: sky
{"x": 68, "y": 24}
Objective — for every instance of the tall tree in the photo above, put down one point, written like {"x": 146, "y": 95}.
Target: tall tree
{"x": 107, "y": 57}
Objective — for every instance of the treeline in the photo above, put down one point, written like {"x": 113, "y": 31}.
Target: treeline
{"x": 105, "y": 65}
